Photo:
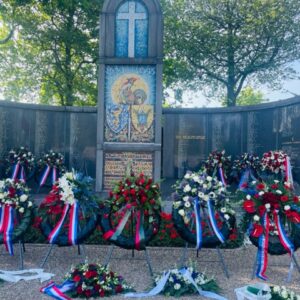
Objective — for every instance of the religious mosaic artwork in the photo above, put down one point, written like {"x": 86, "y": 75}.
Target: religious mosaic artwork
{"x": 116, "y": 164}
{"x": 129, "y": 103}
{"x": 131, "y": 30}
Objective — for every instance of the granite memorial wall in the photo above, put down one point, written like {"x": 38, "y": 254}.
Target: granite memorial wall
{"x": 188, "y": 134}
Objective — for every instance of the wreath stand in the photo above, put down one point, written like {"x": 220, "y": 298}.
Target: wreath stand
{"x": 293, "y": 261}
{"x": 147, "y": 257}
{"x": 21, "y": 254}
{"x": 80, "y": 249}
{"x": 219, "y": 253}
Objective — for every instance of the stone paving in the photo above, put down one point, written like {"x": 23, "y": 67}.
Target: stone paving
{"x": 135, "y": 271}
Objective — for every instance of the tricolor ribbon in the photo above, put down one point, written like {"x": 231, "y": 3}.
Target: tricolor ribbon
{"x": 7, "y": 227}
{"x": 1, "y": 218}
{"x": 139, "y": 239}
{"x": 18, "y": 170}
{"x": 262, "y": 251}
{"x": 213, "y": 221}
{"x": 54, "y": 175}
{"x": 288, "y": 171}
{"x": 58, "y": 291}
{"x": 163, "y": 281}
{"x": 73, "y": 227}
{"x": 46, "y": 173}
{"x": 222, "y": 176}
{"x": 198, "y": 223}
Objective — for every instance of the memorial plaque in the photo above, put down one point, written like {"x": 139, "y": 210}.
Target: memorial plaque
{"x": 116, "y": 164}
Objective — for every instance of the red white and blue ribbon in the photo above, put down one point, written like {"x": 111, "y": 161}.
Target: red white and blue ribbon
{"x": 288, "y": 171}
{"x": 45, "y": 176}
{"x": 262, "y": 251}
{"x": 58, "y": 291}
{"x": 7, "y": 227}
{"x": 55, "y": 232}
{"x": 73, "y": 227}
{"x": 1, "y": 218}
{"x": 54, "y": 175}
{"x": 198, "y": 223}
{"x": 139, "y": 233}
{"x": 15, "y": 171}
{"x": 22, "y": 175}
{"x": 213, "y": 221}
{"x": 222, "y": 176}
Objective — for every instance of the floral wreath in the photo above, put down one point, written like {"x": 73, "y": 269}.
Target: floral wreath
{"x": 201, "y": 202}
{"x": 134, "y": 202}
{"x": 69, "y": 212}
{"x": 20, "y": 163}
{"x": 87, "y": 281}
{"x": 217, "y": 164}
{"x": 51, "y": 163}
{"x": 16, "y": 209}
{"x": 272, "y": 219}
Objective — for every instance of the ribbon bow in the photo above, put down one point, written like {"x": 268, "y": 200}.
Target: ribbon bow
{"x": 18, "y": 171}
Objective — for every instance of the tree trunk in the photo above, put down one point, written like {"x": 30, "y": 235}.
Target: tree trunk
{"x": 231, "y": 96}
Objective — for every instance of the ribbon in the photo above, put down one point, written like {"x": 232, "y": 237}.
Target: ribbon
{"x": 54, "y": 175}
{"x": 57, "y": 291}
{"x": 139, "y": 239}
{"x": 22, "y": 175}
{"x": 15, "y": 171}
{"x": 7, "y": 227}
{"x": 45, "y": 176}
{"x": 55, "y": 232}
{"x": 1, "y": 218}
{"x": 288, "y": 171}
{"x": 15, "y": 276}
{"x": 262, "y": 251}
{"x": 198, "y": 223}
{"x": 73, "y": 225}
{"x": 163, "y": 281}
{"x": 213, "y": 222}
{"x": 244, "y": 180}
{"x": 221, "y": 173}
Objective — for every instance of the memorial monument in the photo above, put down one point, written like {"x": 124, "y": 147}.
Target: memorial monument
{"x": 130, "y": 91}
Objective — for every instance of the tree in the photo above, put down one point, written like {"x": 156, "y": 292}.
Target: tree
{"x": 227, "y": 43}
{"x": 63, "y": 34}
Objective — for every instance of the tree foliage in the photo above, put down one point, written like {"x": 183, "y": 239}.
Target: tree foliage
{"x": 227, "y": 43}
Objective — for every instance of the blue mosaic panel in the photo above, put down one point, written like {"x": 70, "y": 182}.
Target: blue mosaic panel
{"x": 129, "y": 103}
{"x": 131, "y": 36}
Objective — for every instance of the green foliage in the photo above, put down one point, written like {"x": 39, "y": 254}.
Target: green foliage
{"x": 227, "y": 43}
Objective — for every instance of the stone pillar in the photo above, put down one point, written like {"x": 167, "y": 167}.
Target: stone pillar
{"x": 130, "y": 90}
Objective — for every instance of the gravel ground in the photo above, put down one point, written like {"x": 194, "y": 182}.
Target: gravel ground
{"x": 135, "y": 271}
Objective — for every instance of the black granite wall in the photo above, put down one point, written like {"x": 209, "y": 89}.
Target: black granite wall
{"x": 188, "y": 134}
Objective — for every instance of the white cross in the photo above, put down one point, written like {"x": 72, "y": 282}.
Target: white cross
{"x": 131, "y": 16}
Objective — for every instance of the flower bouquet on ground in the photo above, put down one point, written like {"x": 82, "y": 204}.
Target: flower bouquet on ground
{"x": 89, "y": 280}
{"x": 132, "y": 215}
{"x": 282, "y": 293}
{"x": 218, "y": 165}
{"x": 49, "y": 168}
{"x": 276, "y": 165}
{"x": 245, "y": 169}
{"x": 69, "y": 212}
{"x": 272, "y": 219}
{"x": 16, "y": 208}
{"x": 202, "y": 213}
{"x": 20, "y": 164}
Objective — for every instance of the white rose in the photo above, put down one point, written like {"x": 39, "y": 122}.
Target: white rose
{"x": 287, "y": 207}
{"x": 208, "y": 178}
{"x": 187, "y": 204}
{"x": 21, "y": 210}
{"x": 29, "y": 203}
{"x": 256, "y": 218}
{"x": 181, "y": 212}
{"x": 248, "y": 197}
{"x": 177, "y": 286}
{"x": 205, "y": 186}
{"x": 261, "y": 193}
{"x": 276, "y": 181}
{"x": 187, "y": 176}
{"x": 227, "y": 217}
{"x": 278, "y": 192}
{"x": 194, "y": 191}
{"x": 186, "y": 198}
{"x": 267, "y": 205}
{"x": 23, "y": 198}
{"x": 187, "y": 188}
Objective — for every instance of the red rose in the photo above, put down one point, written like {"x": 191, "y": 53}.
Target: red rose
{"x": 166, "y": 216}
{"x": 88, "y": 293}
{"x": 233, "y": 236}
{"x": 257, "y": 230}
{"x": 147, "y": 187}
{"x": 152, "y": 201}
{"x": 284, "y": 198}
{"x": 79, "y": 290}
{"x": 119, "y": 288}
{"x": 110, "y": 194}
{"x": 295, "y": 199}
{"x": 261, "y": 210}
{"x": 90, "y": 274}
{"x": 274, "y": 186}
{"x": 260, "y": 186}
{"x": 249, "y": 206}
{"x": 102, "y": 293}
{"x": 77, "y": 278}
{"x": 132, "y": 191}
{"x": 143, "y": 199}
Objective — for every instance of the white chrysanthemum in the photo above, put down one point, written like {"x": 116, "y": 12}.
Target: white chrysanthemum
{"x": 23, "y": 198}
{"x": 197, "y": 179}
{"x": 177, "y": 286}
{"x": 223, "y": 210}
{"x": 248, "y": 197}
{"x": 209, "y": 178}
{"x": 187, "y": 204}
{"x": 261, "y": 193}
{"x": 227, "y": 217}
{"x": 200, "y": 194}
{"x": 187, "y": 176}
{"x": 21, "y": 210}
{"x": 268, "y": 205}
{"x": 29, "y": 204}
{"x": 256, "y": 218}
{"x": 187, "y": 188}
{"x": 186, "y": 198}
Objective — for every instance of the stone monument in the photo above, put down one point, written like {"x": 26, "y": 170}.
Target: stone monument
{"x": 130, "y": 90}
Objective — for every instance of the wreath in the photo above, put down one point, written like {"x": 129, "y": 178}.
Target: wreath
{"x": 201, "y": 211}
{"x": 49, "y": 167}
{"x": 87, "y": 281}
{"x": 272, "y": 219}
{"x": 20, "y": 164}
{"x": 219, "y": 165}
{"x": 16, "y": 210}
{"x": 69, "y": 212}
{"x": 132, "y": 214}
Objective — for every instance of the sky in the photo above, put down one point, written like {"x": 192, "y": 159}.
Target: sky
{"x": 289, "y": 89}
